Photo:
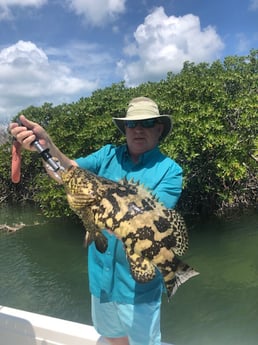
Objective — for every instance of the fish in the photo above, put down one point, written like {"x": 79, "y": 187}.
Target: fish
{"x": 153, "y": 235}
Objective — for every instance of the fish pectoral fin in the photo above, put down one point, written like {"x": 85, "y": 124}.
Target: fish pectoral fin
{"x": 87, "y": 239}
{"x": 142, "y": 269}
{"x": 101, "y": 242}
{"x": 93, "y": 234}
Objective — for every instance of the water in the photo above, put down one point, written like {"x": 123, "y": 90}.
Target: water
{"x": 219, "y": 307}
{"x": 44, "y": 270}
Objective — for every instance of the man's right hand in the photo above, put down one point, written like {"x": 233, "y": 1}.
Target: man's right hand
{"x": 27, "y": 132}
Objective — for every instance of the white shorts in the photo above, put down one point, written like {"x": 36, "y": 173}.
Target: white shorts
{"x": 139, "y": 322}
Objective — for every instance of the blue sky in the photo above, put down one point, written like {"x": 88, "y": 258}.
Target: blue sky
{"x": 57, "y": 51}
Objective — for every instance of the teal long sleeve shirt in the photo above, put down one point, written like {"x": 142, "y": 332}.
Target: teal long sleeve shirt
{"x": 109, "y": 273}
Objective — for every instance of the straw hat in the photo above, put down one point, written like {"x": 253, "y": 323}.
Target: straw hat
{"x": 142, "y": 108}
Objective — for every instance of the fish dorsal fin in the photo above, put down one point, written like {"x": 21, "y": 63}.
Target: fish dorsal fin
{"x": 142, "y": 269}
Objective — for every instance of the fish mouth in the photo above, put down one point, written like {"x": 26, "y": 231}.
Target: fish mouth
{"x": 71, "y": 167}
{"x": 68, "y": 173}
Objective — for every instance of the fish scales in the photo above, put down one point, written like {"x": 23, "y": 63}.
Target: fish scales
{"x": 153, "y": 235}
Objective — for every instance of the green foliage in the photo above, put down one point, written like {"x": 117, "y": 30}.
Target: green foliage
{"x": 214, "y": 136}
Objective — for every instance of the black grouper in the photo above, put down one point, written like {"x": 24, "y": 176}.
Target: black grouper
{"x": 153, "y": 236}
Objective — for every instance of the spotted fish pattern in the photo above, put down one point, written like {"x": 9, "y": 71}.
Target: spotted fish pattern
{"x": 153, "y": 236}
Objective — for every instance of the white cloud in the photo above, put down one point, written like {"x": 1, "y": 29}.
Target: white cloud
{"x": 98, "y": 12}
{"x": 244, "y": 43}
{"x": 164, "y": 43}
{"x": 28, "y": 76}
{"x": 6, "y": 6}
{"x": 253, "y": 6}
{"x": 36, "y": 3}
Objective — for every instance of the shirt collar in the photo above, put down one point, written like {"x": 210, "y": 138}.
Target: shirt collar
{"x": 145, "y": 157}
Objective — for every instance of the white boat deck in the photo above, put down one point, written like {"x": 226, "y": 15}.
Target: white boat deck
{"x": 18, "y": 327}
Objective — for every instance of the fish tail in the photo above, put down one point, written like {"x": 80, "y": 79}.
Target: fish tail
{"x": 182, "y": 274}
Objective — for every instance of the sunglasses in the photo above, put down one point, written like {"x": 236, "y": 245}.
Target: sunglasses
{"x": 148, "y": 123}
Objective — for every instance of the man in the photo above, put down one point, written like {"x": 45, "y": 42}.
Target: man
{"x": 123, "y": 311}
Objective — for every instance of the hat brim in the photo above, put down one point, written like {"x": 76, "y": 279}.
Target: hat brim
{"x": 165, "y": 119}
